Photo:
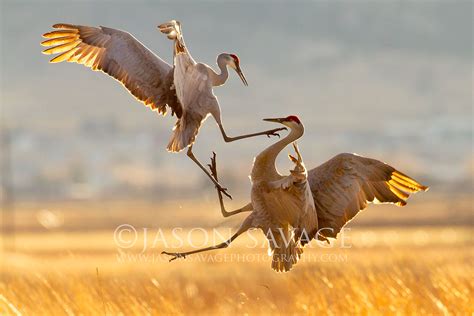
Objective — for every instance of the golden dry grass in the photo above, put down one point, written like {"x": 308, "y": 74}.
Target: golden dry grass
{"x": 388, "y": 270}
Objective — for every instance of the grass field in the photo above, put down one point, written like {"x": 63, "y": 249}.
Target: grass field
{"x": 385, "y": 270}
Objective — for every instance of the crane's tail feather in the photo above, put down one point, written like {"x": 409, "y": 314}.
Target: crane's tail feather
{"x": 286, "y": 252}
{"x": 172, "y": 29}
{"x": 184, "y": 132}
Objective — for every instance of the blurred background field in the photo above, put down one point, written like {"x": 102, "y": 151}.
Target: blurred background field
{"x": 388, "y": 80}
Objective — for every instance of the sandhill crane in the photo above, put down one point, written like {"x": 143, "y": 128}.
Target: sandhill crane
{"x": 186, "y": 87}
{"x": 294, "y": 209}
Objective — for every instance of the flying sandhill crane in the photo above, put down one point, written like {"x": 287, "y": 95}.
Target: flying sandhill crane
{"x": 186, "y": 87}
{"x": 294, "y": 209}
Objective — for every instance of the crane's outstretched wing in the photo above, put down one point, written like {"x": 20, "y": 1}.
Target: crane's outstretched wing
{"x": 345, "y": 184}
{"x": 120, "y": 55}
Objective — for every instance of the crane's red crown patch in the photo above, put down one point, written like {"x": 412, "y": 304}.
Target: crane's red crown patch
{"x": 293, "y": 118}
{"x": 236, "y": 59}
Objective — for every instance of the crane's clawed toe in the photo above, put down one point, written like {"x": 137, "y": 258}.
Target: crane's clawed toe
{"x": 213, "y": 167}
{"x": 274, "y": 132}
{"x": 224, "y": 191}
{"x": 175, "y": 255}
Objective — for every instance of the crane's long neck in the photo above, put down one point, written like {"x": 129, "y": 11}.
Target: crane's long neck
{"x": 220, "y": 79}
{"x": 264, "y": 164}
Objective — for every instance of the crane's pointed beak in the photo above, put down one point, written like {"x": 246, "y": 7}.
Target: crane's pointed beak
{"x": 274, "y": 120}
{"x": 241, "y": 75}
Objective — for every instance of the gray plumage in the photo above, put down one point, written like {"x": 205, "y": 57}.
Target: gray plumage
{"x": 294, "y": 209}
{"x": 186, "y": 87}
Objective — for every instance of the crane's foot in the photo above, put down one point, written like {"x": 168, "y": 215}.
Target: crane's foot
{"x": 274, "y": 132}
{"x": 224, "y": 191}
{"x": 213, "y": 167}
{"x": 174, "y": 255}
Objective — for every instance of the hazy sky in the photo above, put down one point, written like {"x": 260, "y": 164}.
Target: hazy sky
{"x": 388, "y": 79}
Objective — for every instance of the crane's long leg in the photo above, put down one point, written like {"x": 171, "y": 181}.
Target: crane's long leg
{"x": 246, "y": 208}
{"x": 217, "y": 184}
{"x": 271, "y": 132}
{"x": 246, "y": 225}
